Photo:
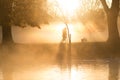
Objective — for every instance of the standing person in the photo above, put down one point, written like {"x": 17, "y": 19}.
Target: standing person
{"x": 64, "y": 34}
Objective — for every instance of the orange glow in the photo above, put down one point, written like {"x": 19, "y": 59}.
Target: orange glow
{"x": 51, "y": 73}
{"x": 60, "y": 27}
{"x": 52, "y": 33}
{"x": 83, "y": 72}
{"x": 66, "y": 7}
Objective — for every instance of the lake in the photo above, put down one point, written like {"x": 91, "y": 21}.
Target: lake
{"x": 84, "y": 70}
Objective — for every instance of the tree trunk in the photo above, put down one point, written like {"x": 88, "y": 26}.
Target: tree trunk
{"x": 6, "y": 34}
{"x": 113, "y": 33}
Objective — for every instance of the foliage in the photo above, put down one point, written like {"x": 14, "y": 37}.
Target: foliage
{"x": 30, "y": 12}
{"x": 25, "y": 12}
{"x": 95, "y": 17}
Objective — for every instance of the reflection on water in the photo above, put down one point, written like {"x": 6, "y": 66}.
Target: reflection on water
{"x": 83, "y": 71}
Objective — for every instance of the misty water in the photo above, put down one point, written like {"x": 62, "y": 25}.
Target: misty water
{"x": 84, "y": 70}
{"x": 50, "y": 62}
{"x": 96, "y": 71}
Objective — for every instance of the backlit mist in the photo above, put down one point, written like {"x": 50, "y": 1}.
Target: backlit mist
{"x": 59, "y": 39}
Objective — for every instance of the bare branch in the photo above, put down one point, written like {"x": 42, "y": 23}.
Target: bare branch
{"x": 105, "y": 6}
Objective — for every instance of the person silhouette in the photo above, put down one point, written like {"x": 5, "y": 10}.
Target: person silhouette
{"x": 64, "y": 34}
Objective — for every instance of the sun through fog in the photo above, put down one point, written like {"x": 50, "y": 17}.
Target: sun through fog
{"x": 68, "y": 7}
{"x": 66, "y": 12}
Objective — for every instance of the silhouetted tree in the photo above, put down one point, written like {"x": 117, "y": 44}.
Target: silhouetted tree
{"x": 21, "y": 13}
{"x": 112, "y": 19}
{"x": 33, "y": 12}
{"x": 5, "y": 19}
{"x": 111, "y": 10}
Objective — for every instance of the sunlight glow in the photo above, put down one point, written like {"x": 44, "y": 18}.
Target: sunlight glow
{"x": 55, "y": 73}
{"x": 71, "y": 29}
{"x": 66, "y": 8}
{"x": 60, "y": 27}
{"x": 51, "y": 73}
{"x": 74, "y": 74}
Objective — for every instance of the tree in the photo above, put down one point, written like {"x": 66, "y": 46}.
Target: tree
{"x": 112, "y": 14}
{"x": 5, "y": 19}
{"x": 32, "y": 12}
{"x": 21, "y": 13}
{"x": 112, "y": 19}
{"x": 111, "y": 10}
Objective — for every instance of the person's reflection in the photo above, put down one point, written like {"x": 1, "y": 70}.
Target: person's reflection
{"x": 62, "y": 48}
{"x": 61, "y": 54}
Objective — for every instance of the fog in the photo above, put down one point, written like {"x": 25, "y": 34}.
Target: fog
{"x": 52, "y": 33}
{"x": 43, "y": 54}
{"x": 48, "y": 61}
{"x": 38, "y": 53}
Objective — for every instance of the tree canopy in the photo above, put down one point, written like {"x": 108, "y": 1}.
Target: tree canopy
{"x": 24, "y": 12}
{"x": 21, "y": 13}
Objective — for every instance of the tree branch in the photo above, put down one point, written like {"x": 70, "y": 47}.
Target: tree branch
{"x": 105, "y": 6}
